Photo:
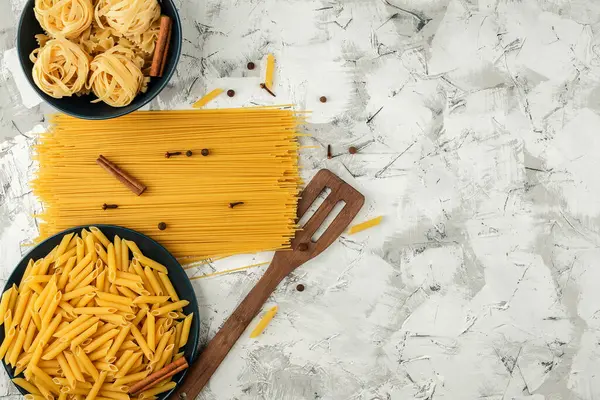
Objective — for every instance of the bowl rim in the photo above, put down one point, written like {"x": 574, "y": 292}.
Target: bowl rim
{"x": 193, "y": 341}
{"x": 120, "y": 111}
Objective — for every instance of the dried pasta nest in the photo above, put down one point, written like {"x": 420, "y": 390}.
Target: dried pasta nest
{"x": 116, "y": 76}
{"x": 127, "y": 18}
{"x": 60, "y": 67}
{"x": 64, "y": 18}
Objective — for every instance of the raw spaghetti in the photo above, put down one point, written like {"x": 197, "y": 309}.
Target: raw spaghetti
{"x": 252, "y": 159}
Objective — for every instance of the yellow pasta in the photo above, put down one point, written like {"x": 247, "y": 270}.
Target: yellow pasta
{"x": 258, "y": 145}
{"x": 185, "y": 333}
{"x": 264, "y": 321}
{"x": 365, "y": 225}
{"x": 156, "y": 390}
{"x": 101, "y": 253}
{"x": 4, "y": 304}
{"x": 66, "y": 369}
{"x": 97, "y": 385}
{"x": 269, "y": 71}
{"x": 207, "y": 98}
{"x": 26, "y": 385}
{"x": 66, "y": 332}
{"x": 80, "y": 249}
{"x": 169, "y": 307}
{"x": 17, "y": 347}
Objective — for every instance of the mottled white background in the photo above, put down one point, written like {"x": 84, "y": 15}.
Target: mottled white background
{"x": 478, "y": 124}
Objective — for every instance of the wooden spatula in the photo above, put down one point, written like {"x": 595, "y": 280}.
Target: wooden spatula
{"x": 284, "y": 262}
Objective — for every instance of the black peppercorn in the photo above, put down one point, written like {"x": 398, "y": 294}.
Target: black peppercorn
{"x": 303, "y": 247}
{"x": 162, "y": 226}
{"x": 300, "y": 288}
{"x": 250, "y": 65}
{"x": 352, "y": 150}
{"x": 231, "y": 93}
{"x": 205, "y": 152}
{"x": 323, "y": 99}
{"x": 188, "y": 153}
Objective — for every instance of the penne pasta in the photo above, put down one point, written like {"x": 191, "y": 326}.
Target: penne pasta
{"x": 75, "y": 334}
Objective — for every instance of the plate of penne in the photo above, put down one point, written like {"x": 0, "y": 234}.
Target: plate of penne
{"x": 98, "y": 313}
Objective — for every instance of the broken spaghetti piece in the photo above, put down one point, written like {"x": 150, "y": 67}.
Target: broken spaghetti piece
{"x": 365, "y": 225}
{"x": 207, "y": 98}
{"x": 270, "y": 71}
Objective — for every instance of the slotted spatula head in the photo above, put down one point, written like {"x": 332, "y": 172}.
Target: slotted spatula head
{"x": 303, "y": 248}
{"x": 284, "y": 262}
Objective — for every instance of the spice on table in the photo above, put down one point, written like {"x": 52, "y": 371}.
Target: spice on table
{"x": 250, "y": 65}
{"x": 188, "y": 153}
{"x": 352, "y": 150}
{"x": 130, "y": 182}
{"x": 162, "y": 44}
{"x": 205, "y": 152}
{"x": 303, "y": 247}
{"x": 300, "y": 288}
{"x": 231, "y": 93}
{"x": 171, "y": 154}
{"x": 162, "y": 226}
{"x": 165, "y": 372}
{"x": 109, "y": 206}
{"x": 237, "y": 203}
{"x": 263, "y": 86}
{"x": 329, "y": 155}
{"x": 166, "y": 52}
{"x": 323, "y": 99}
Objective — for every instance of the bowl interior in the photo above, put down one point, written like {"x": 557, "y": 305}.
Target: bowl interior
{"x": 149, "y": 248}
{"x": 81, "y": 106}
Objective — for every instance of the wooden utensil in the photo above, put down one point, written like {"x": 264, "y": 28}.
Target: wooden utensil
{"x": 284, "y": 262}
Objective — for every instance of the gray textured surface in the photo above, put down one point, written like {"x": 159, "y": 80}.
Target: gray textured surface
{"x": 478, "y": 123}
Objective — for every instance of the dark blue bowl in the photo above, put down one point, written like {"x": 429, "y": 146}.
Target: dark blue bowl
{"x": 81, "y": 106}
{"x": 149, "y": 248}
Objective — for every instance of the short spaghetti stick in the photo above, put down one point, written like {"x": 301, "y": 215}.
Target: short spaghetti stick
{"x": 207, "y": 98}
{"x": 270, "y": 72}
{"x": 365, "y": 225}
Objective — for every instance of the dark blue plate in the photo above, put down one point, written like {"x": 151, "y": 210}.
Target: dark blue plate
{"x": 81, "y": 106}
{"x": 149, "y": 248}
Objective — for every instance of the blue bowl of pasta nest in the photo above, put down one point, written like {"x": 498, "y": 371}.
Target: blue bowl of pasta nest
{"x": 81, "y": 106}
{"x": 150, "y": 249}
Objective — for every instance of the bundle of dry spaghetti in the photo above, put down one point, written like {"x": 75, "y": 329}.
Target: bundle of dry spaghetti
{"x": 239, "y": 198}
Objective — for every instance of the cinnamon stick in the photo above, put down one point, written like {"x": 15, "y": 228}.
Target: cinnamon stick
{"x": 161, "y": 46}
{"x": 130, "y": 182}
{"x": 166, "y": 372}
{"x": 163, "y": 378}
{"x": 166, "y": 53}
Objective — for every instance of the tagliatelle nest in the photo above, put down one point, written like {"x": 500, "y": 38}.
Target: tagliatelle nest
{"x": 116, "y": 76}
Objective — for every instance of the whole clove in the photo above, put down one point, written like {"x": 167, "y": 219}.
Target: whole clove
{"x": 329, "y": 155}
{"x": 263, "y": 86}
{"x": 171, "y": 154}
{"x": 109, "y": 206}
{"x": 237, "y": 203}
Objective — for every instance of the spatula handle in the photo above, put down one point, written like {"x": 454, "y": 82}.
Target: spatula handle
{"x": 211, "y": 357}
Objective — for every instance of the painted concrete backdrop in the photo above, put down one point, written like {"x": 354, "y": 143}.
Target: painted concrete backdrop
{"x": 478, "y": 128}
